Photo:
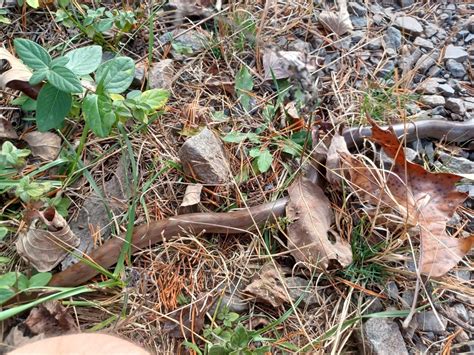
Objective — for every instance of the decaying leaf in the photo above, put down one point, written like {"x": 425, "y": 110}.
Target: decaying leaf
{"x": 340, "y": 22}
{"x": 267, "y": 287}
{"x": 44, "y": 145}
{"x": 188, "y": 320}
{"x": 311, "y": 213}
{"x": 284, "y": 64}
{"x": 192, "y": 196}
{"x": 334, "y": 173}
{"x": 425, "y": 200}
{"x": 15, "y": 75}
{"x": 47, "y": 240}
{"x": 16, "y": 337}
{"x": 50, "y": 318}
{"x": 6, "y": 129}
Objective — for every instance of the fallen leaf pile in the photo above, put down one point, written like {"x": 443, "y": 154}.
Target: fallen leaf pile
{"x": 425, "y": 200}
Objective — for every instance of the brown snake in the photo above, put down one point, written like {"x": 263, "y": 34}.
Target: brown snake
{"x": 243, "y": 220}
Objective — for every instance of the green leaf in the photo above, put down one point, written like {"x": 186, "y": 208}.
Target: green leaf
{"x": 238, "y": 137}
{"x": 217, "y": 350}
{"x": 38, "y": 76}
{"x": 241, "y": 337}
{"x": 244, "y": 85}
{"x": 115, "y": 75}
{"x": 22, "y": 282}
{"x": 104, "y": 25}
{"x": 85, "y": 60}
{"x": 264, "y": 158}
{"x": 3, "y": 232}
{"x": 33, "y": 3}
{"x": 155, "y": 98}
{"x": 8, "y": 279}
{"x": 99, "y": 114}
{"x": 4, "y": 260}
{"x": 63, "y": 3}
{"x": 5, "y": 294}
{"x": 53, "y": 106}
{"x": 32, "y": 54}
{"x": 40, "y": 279}
{"x": 65, "y": 80}
{"x": 59, "y": 62}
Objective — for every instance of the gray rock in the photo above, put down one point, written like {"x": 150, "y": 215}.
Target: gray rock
{"x": 433, "y": 100}
{"x": 428, "y": 322}
{"x": 455, "y": 52}
{"x": 357, "y": 36}
{"x": 469, "y": 104}
{"x": 203, "y": 157}
{"x": 430, "y": 86}
{"x": 393, "y": 38}
{"x": 412, "y": 108}
{"x": 455, "y": 105}
{"x": 186, "y": 44}
{"x": 161, "y": 74}
{"x": 409, "y": 25}
{"x": 424, "y": 43}
{"x": 374, "y": 43}
{"x": 300, "y": 46}
{"x": 375, "y": 305}
{"x": 408, "y": 298}
{"x": 425, "y": 62}
{"x": 461, "y": 311}
{"x": 297, "y": 288}
{"x": 358, "y": 22}
{"x": 392, "y": 288}
{"x": 434, "y": 71}
{"x": 469, "y": 38}
{"x": 456, "y": 69}
{"x": 383, "y": 337}
{"x": 405, "y": 3}
{"x": 446, "y": 90}
{"x": 356, "y": 8}
{"x": 456, "y": 164}
{"x": 431, "y": 30}
{"x": 408, "y": 61}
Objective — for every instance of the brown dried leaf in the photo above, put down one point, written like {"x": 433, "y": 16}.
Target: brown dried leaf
{"x": 312, "y": 214}
{"x": 16, "y": 337}
{"x": 17, "y": 70}
{"x": 283, "y": 64}
{"x": 424, "y": 199}
{"x": 192, "y": 196}
{"x": 50, "y": 318}
{"x": 44, "y": 145}
{"x": 267, "y": 287}
{"x": 334, "y": 171}
{"x": 6, "y": 129}
{"x": 45, "y": 247}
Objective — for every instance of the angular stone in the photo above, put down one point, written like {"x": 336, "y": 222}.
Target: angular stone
{"x": 446, "y": 90}
{"x": 431, "y": 30}
{"x": 203, "y": 157}
{"x": 356, "y": 8}
{"x": 408, "y": 61}
{"x": 430, "y": 86}
{"x": 424, "y": 43}
{"x": 409, "y": 25}
{"x": 161, "y": 74}
{"x": 428, "y": 322}
{"x": 455, "y": 105}
{"x": 405, "y": 3}
{"x": 425, "y": 62}
{"x": 455, "y": 52}
{"x": 433, "y": 100}
{"x": 393, "y": 38}
{"x": 383, "y": 337}
{"x": 461, "y": 311}
{"x": 456, "y": 69}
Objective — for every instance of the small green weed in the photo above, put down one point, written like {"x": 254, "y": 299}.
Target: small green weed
{"x": 14, "y": 283}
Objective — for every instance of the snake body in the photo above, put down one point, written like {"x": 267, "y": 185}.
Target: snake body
{"x": 244, "y": 220}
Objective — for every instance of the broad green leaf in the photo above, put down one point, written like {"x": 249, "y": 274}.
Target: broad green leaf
{"x": 63, "y": 3}
{"x": 104, "y": 25}
{"x": 33, "y": 3}
{"x": 99, "y": 113}
{"x": 238, "y": 137}
{"x": 115, "y": 75}
{"x": 59, "y": 62}
{"x": 38, "y": 76}
{"x": 8, "y": 279}
{"x": 40, "y": 279}
{"x": 53, "y": 106}
{"x": 21, "y": 282}
{"x": 243, "y": 86}
{"x": 264, "y": 159}
{"x": 154, "y": 98}
{"x": 32, "y": 54}
{"x": 4, "y": 260}
{"x": 241, "y": 337}
{"x": 85, "y": 60}
{"x": 65, "y": 80}
{"x": 3, "y": 232}
{"x": 5, "y": 294}
{"x": 218, "y": 350}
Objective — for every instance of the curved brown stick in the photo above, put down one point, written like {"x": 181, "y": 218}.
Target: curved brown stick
{"x": 242, "y": 220}
{"x": 456, "y": 132}
{"x": 236, "y": 222}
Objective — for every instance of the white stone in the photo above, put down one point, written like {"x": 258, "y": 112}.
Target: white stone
{"x": 433, "y": 100}
{"x": 409, "y": 24}
{"x": 455, "y": 52}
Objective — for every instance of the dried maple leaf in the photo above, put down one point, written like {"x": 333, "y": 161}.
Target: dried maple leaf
{"x": 45, "y": 248}
{"x": 308, "y": 234}
{"x": 424, "y": 199}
